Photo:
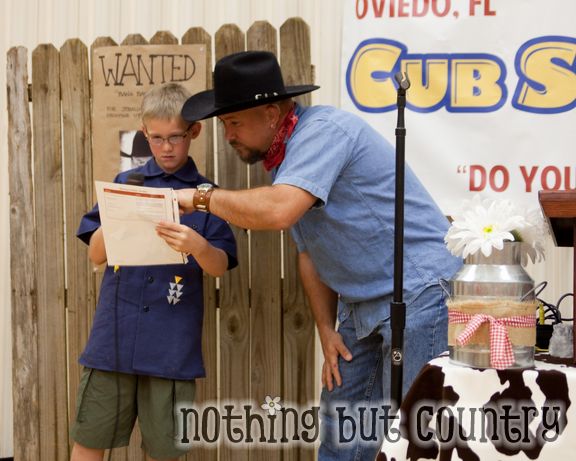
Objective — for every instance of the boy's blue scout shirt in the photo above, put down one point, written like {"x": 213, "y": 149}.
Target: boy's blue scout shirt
{"x": 349, "y": 233}
{"x": 157, "y": 310}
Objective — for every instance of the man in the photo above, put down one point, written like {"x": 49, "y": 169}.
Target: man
{"x": 333, "y": 185}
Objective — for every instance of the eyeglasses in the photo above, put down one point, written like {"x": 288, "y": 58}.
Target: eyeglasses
{"x": 173, "y": 140}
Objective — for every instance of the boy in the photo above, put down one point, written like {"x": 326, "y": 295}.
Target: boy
{"x": 144, "y": 350}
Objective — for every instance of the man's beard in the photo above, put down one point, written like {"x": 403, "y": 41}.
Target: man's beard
{"x": 247, "y": 155}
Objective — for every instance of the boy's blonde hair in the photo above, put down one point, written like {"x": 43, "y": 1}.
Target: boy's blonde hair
{"x": 164, "y": 102}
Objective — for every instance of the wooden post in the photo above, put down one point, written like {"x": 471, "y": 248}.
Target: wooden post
{"x": 265, "y": 294}
{"x": 133, "y": 452}
{"x": 80, "y": 293}
{"x": 198, "y": 36}
{"x": 258, "y": 337}
{"x": 234, "y": 296}
{"x": 207, "y": 388}
{"x": 99, "y": 273}
{"x": 134, "y": 39}
{"x": 49, "y": 227}
{"x": 163, "y": 37}
{"x": 298, "y": 333}
{"x": 25, "y": 375}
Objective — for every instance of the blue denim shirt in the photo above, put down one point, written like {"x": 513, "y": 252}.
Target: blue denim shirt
{"x": 149, "y": 318}
{"x": 349, "y": 233}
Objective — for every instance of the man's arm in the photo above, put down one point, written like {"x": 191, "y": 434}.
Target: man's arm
{"x": 271, "y": 207}
{"x": 324, "y": 301}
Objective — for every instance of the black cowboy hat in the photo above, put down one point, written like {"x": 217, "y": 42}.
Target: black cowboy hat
{"x": 241, "y": 81}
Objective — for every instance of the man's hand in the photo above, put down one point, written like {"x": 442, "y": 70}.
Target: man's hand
{"x": 185, "y": 200}
{"x": 333, "y": 347}
{"x": 324, "y": 304}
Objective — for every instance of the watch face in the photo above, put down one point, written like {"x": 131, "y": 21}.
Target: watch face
{"x": 204, "y": 187}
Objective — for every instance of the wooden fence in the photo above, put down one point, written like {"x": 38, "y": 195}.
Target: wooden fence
{"x": 258, "y": 332}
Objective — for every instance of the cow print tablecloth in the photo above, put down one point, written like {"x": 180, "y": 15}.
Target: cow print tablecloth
{"x": 459, "y": 413}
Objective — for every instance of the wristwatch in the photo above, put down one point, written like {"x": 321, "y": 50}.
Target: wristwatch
{"x": 201, "y": 199}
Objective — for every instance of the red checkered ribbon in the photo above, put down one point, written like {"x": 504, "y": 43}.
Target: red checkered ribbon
{"x": 501, "y": 354}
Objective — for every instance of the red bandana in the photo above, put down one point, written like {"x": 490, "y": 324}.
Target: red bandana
{"x": 277, "y": 150}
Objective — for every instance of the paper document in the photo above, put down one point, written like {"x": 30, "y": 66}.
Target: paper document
{"x": 129, "y": 215}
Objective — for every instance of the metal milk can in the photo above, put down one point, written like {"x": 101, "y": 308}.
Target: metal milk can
{"x": 493, "y": 281}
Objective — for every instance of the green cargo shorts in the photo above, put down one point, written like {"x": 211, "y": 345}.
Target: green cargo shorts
{"x": 105, "y": 421}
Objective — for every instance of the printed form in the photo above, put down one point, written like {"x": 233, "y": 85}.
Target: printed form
{"x": 129, "y": 215}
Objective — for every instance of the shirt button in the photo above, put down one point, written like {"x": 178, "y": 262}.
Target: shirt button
{"x": 150, "y": 279}
{"x": 146, "y": 308}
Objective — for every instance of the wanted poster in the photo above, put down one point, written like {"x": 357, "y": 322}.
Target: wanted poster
{"x": 121, "y": 75}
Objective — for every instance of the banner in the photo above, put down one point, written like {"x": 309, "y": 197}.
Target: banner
{"x": 491, "y": 107}
{"x": 121, "y": 75}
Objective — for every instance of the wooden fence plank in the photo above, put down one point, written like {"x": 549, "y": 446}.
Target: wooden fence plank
{"x": 259, "y": 331}
{"x": 80, "y": 296}
{"x": 295, "y": 58}
{"x": 265, "y": 294}
{"x": 134, "y": 39}
{"x": 25, "y": 379}
{"x": 299, "y": 330}
{"x": 49, "y": 226}
{"x": 198, "y": 36}
{"x": 234, "y": 296}
{"x": 135, "y": 452}
{"x": 163, "y": 37}
{"x": 118, "y": 454}
{"x": 207, "y": 388}
{"x": 100, "y": 42}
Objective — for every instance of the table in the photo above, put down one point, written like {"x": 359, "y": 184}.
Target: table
{"x": 453, "y": 412}
{"x": 559, "y": 208}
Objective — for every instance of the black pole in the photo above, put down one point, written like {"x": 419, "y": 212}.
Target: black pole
{"x": 397, "y": 306}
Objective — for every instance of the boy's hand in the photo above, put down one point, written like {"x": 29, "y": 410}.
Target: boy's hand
{"x": 181, "y": 238}
{"x": 186, "y": 200}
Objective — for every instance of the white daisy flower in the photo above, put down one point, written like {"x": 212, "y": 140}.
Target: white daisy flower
{"x": 533, "y": 236}
{"x": 484, "y": 225}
